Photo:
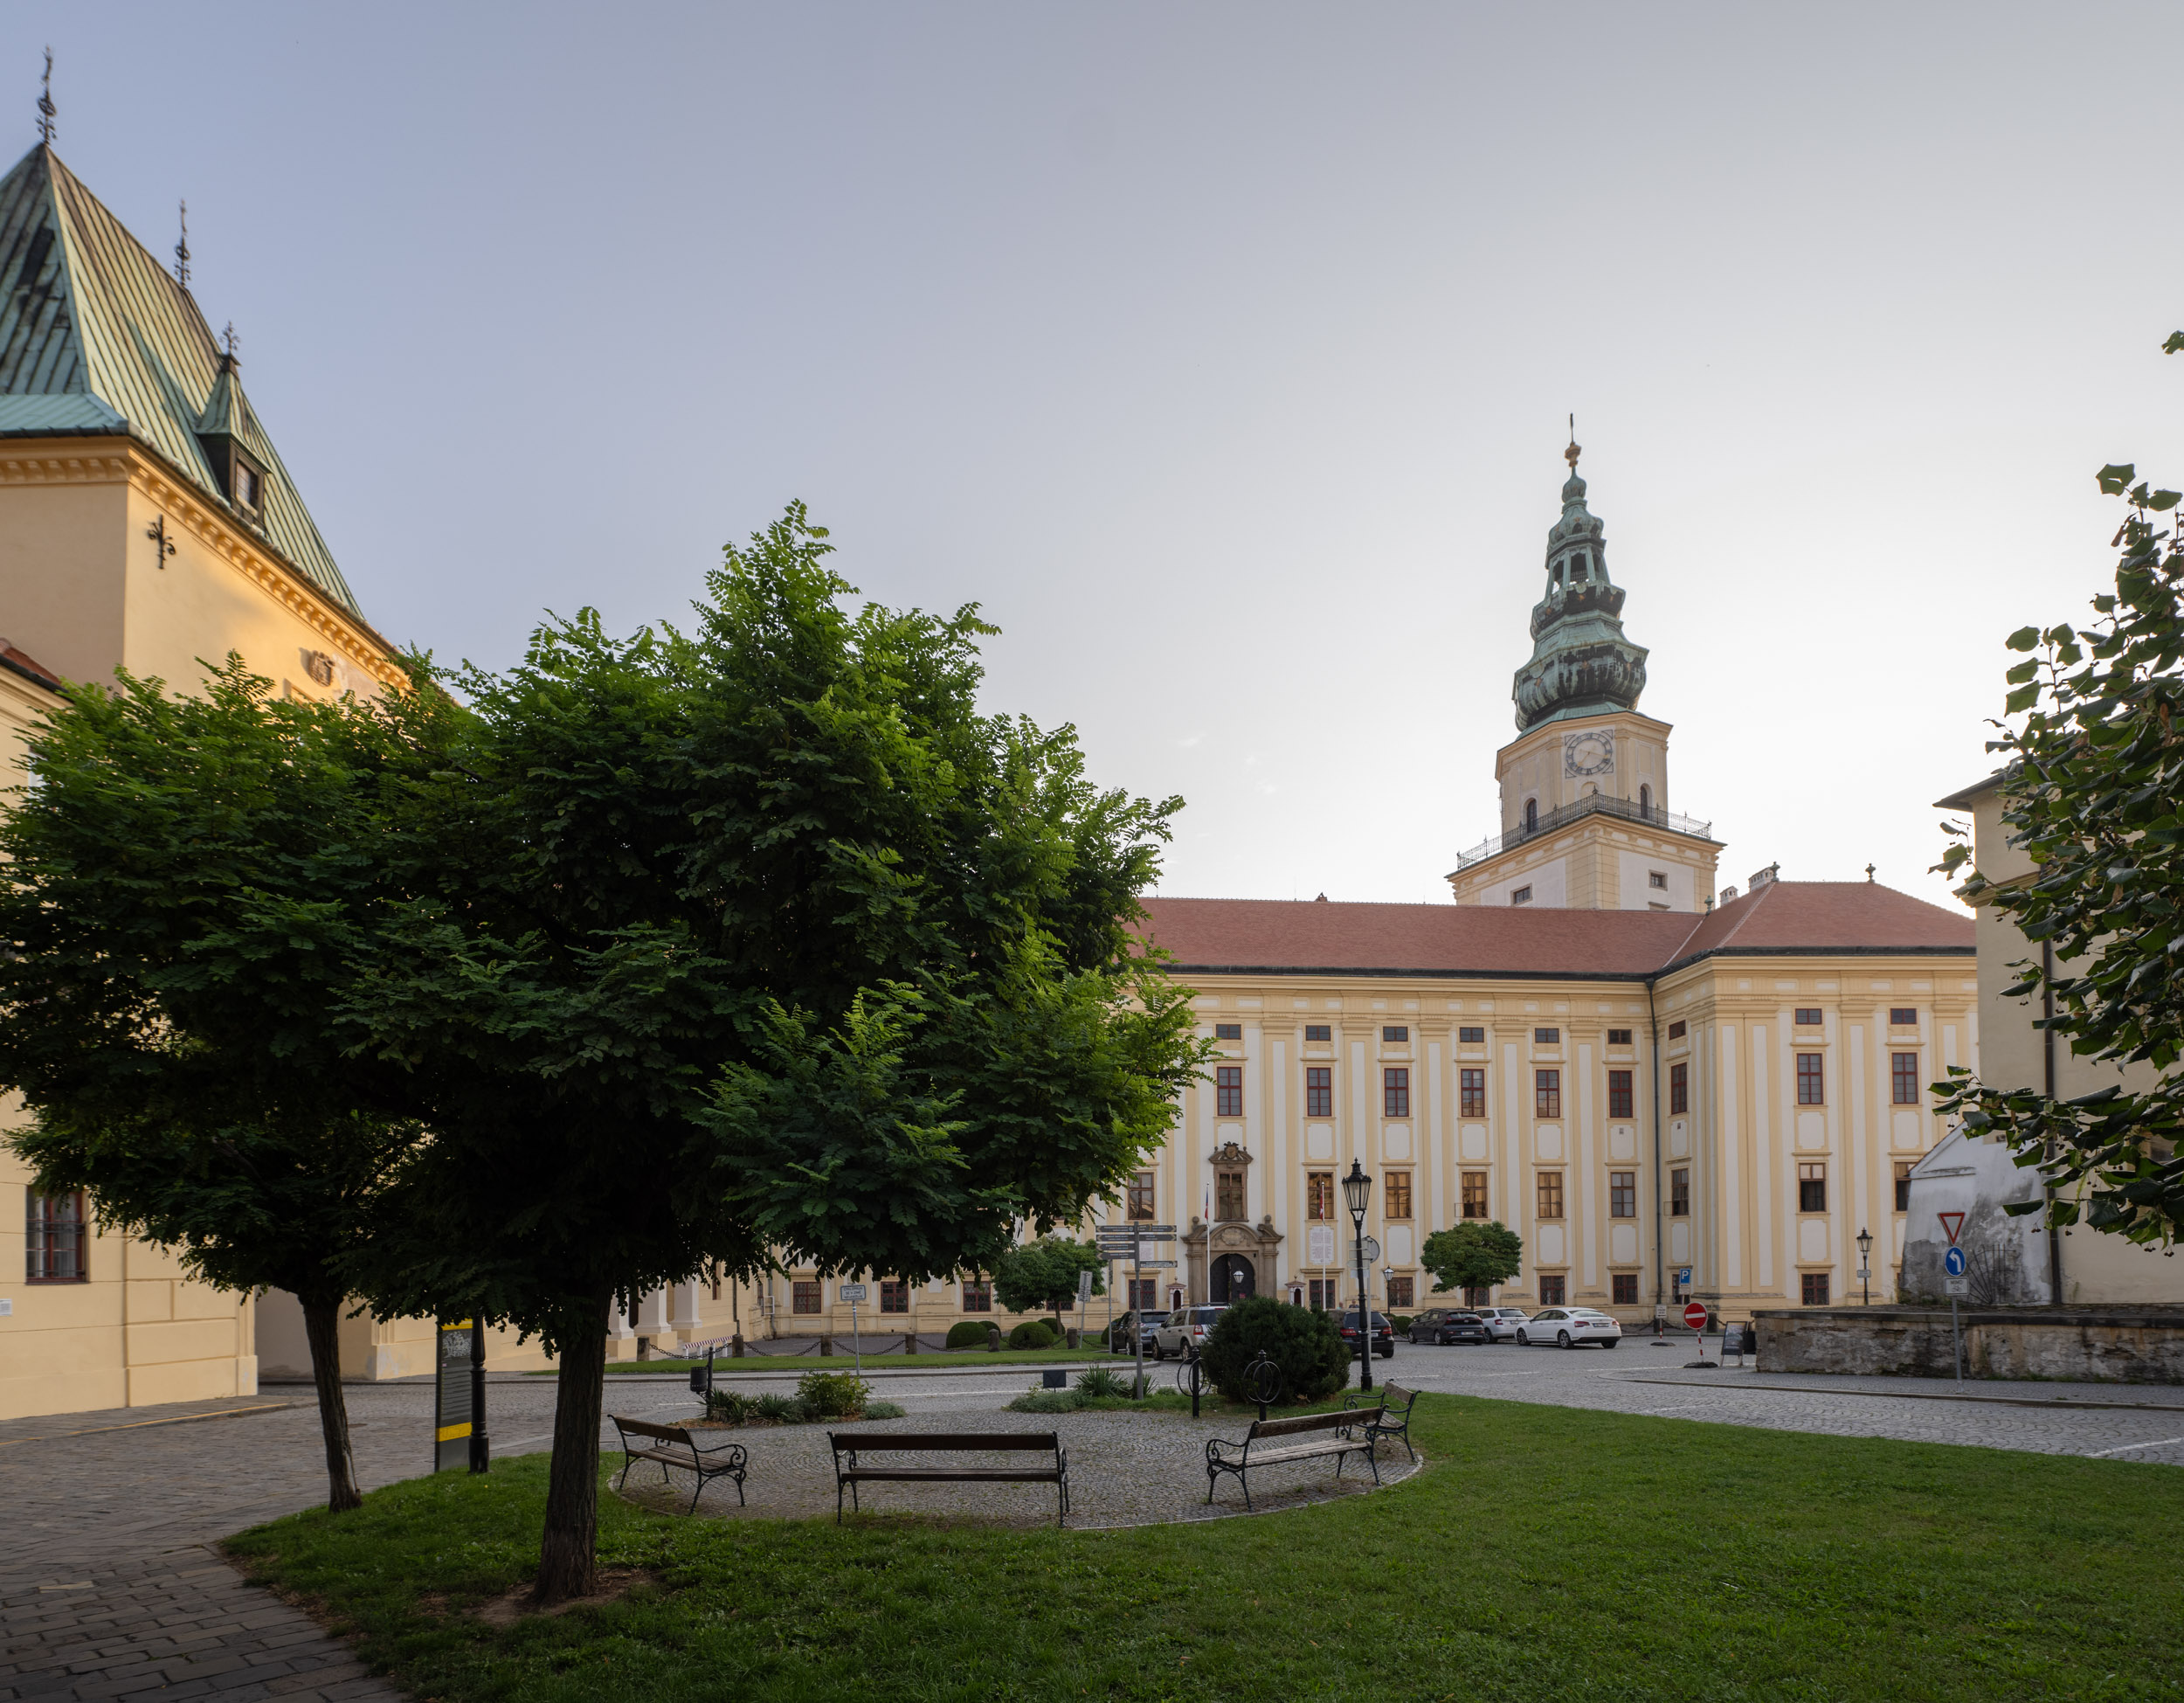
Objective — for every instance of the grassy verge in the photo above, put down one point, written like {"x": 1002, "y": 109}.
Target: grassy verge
{"x": 1547, "y": 1553}
{"x": 840, "y": 1360}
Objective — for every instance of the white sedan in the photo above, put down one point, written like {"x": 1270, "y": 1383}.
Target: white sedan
{"x": 1567, "y": 1327}
{"x": 1502, "y": 1322}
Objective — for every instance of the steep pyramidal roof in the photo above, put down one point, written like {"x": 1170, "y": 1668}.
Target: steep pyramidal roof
{"x": 97, "y": 337}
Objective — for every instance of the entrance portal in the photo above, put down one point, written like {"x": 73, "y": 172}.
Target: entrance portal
{"x": 1232, "y": 1279}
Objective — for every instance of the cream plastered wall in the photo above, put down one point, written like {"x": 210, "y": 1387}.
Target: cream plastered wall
{"x": 1534, "y": 764}
{"x": 2095, "y": 1268}
{"x": 81, "y": 592}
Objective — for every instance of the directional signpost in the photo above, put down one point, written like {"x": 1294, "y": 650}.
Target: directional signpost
{"x": 1695, "y": 1322}
{"x": 854, "y": 1293}
{"x": 1131, "y": 1242}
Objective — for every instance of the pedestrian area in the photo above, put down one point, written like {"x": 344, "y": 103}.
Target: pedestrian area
{"x": 110, "y": 1586}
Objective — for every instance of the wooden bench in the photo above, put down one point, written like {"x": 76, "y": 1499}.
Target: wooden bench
{"x": 672, "y": 1446}
{"x": 1264, "y": 1445}
{"x": 850, "y": 1471}
{"x": 1395, "y": 1416}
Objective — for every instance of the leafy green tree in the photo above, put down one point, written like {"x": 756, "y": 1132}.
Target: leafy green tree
{"x": 187, "y": 879}
{"x": 1044, "y": 1274}
{"x": 1472, "y": 1254}
{"x": 755, "y": 943}
{"x": 1303, "y": 1342}
{"x": 2093, "y": 791}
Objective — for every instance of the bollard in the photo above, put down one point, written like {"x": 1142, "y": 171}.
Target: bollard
{"x": 736, "y": 1346}
{"x": 826, "y": 1343}
{"x": 1072, "y": 1337}
{"x": 909, "y": 1342}
{"x": 992, "y": 1338}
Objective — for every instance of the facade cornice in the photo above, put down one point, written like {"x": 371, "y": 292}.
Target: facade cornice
{"x": 1626, "y": 977}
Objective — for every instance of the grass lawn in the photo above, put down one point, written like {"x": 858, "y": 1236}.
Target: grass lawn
{"x": 1545, "y": 1552}
{"x": 894, "y": 1360}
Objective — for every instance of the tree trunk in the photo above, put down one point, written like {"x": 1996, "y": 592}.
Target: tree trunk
{"x": 322, "y": 1326}
{"x": 568, "y": 1553}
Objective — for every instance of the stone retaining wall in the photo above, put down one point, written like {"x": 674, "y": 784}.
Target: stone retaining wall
{"x": 2100, "y": 1345}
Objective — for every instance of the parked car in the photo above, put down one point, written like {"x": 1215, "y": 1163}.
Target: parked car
{"x": 1382, "y": 1334}
{"x": 1570, "y": 1327}
{"x": 1502, "y": 1322}
{"x": 1147, "y": 1326}
{"x": 1184, "y": 1329}
{"x": 1446, "y": 1325}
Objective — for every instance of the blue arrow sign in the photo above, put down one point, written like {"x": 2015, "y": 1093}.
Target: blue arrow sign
{"x": 1952, "y": 1262}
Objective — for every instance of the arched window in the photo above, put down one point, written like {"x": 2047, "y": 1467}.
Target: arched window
{"x": 1532, "y": 815}
{"x": 1645, "y": 801}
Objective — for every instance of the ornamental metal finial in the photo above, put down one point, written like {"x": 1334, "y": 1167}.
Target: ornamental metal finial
{"x": 1572, "y": 453}
{"x": 47, "y": 109}
{"x": 229, "y": 343}
{"x": 182, "y": 250}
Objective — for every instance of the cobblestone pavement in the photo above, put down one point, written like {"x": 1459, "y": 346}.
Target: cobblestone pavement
{"x": 110, "y": 1589}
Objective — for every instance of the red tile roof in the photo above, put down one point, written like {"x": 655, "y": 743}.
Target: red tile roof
{"x": 24, "y": 663}
{"x": 1308, "y": 936}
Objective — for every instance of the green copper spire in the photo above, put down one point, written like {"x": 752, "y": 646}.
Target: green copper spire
{"x": 1581, "y": 664}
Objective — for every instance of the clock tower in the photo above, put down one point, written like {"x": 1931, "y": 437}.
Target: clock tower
{"x": 1586, "y": 823}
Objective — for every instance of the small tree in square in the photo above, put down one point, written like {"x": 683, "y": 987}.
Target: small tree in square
{"x": 1472, "y": 1254}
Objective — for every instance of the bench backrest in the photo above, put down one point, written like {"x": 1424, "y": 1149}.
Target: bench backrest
{"x": 1394, "y": 1395}
{"x": 644, "y": 1428}
{"x": 948, "y": 1440}
{"x": 1310, "y": 1422}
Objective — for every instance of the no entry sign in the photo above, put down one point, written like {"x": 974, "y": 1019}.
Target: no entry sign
{"x": 1694, "y": 1316}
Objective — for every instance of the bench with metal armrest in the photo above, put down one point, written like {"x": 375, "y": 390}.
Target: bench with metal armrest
{"x": 673, "y": 1446}
{"x": 1395, "y": 1415}
{"x": 1270, "y": 1441}
{"x": 850, "y": 1469}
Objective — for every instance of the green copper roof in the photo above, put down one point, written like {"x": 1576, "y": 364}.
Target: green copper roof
{"x": 96, "y": 337}
{"x": 1581, "y": 664}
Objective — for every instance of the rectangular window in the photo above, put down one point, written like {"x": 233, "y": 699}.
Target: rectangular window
{"x": 1810, "y": 1083}
{"x": 1812, "y": 1187}
{"x": 1475, "y": 1193}
{"x": 1141, "y": 1198}
{"x": 1319, "y": 1092}
{"x": 1522, "y": 895}
{"x": 1679, "y": 1088}
{"x": 1471, "y": 1034}
{"x": 1657, "y": 878}
{"x": 1903, "y": 1185}
{"x": 1625, "y": 1289}
{"x": 1815, "y": 1288}
{"x": 1323, "y": 1294}
{"x": 1319, "y": 1032}
{"x": 1675, "y": 1029}
{"x": 1144, "y": 1294}
{"x": 1228, "y": 1196}
{"x": 1622, "y": 1193}
{"x": 895, "y": 1295}
{"x": 1903, "y": 1078}
{"x": 1228, "y": 1090}
{"x": 1903, "y": 1016}
{"x": 1319, "y": 1194}
{"x": 1395, "y": 1092}
{"x": 1399, "y": 1291}
{"x": 1547, "y": 1037}
{"x": 804, "y": 1297}
{"x": 1619, "y": 1093}
{"x": 1679, "y": 1194}
{"x": 1619, "y": 1037}
{"x": 977, "y": 1294}
{"x": 1398, "y": 1199}
{"x": 1550, "y": 1194}
{"x": 1396, "y": 1033}
{"x": 1809, "y": 1016}
{"x": 1228, "y": 1031}
{"x": 1547, "y": 1093}
{"x": 59, "y": 1240}
{"x": 1472, "y": 1092}
{"x": 1550, "y": 1289}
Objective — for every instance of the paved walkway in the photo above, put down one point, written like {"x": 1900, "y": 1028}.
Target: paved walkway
{"x": 109, "y": 1587}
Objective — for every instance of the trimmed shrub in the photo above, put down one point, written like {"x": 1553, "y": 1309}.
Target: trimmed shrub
{"x": 1034, "y": 1333}
{"x": 831, "y": 1394}
{"x": 967, "y": 1333}
{"x": 1304, "y": 1344}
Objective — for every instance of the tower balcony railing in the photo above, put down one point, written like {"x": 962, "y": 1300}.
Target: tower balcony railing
{"x": 1598, "y": 805}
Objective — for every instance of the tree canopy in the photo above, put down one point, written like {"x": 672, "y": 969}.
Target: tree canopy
{"x": 1043, "y": 1274}
{"x": 1472, "y": 1254}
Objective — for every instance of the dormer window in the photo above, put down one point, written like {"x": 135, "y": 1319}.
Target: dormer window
{"x": 250, "y": 486}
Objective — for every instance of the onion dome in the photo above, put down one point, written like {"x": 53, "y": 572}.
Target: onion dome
{"x": 1581, "y": 664}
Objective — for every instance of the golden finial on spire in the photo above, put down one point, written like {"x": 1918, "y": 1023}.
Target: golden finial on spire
{"x": 1572, "y": 453}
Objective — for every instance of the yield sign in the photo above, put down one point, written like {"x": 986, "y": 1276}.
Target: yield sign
{"x": 1951, "y": 1223}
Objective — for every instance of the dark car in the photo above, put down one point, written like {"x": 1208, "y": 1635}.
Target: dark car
{"x": 1148, "y": 1325}
{"x": 1382, "y": 1334}
{"x": 1446, "y": 1325}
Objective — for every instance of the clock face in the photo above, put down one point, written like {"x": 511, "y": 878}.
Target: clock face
{"x": 1588, "y": 753}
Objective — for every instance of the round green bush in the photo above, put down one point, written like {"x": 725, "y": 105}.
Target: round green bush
{"x": 1034, "y": 1333}
{"x": 969, "y": 1333}
{"x": 1303, "y": 1343}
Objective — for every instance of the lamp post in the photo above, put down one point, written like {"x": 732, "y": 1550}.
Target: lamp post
{"x": 1356, "y": 1193}
{"x": 1865, "y": 1263}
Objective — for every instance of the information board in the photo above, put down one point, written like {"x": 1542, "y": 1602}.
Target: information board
{"x": 459, "y": 1393}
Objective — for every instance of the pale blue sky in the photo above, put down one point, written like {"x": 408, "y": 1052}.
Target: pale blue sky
{"x": 1221, "y": 352}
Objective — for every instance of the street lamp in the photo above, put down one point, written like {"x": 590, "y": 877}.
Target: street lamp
{"x": 1356, "y": 1195}
{"x": 1865, "y": 1263}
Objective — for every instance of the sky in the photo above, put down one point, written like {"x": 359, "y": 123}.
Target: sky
{"x": 1223, "y": 353}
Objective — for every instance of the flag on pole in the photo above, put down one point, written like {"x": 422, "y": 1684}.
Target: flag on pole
{"x": 1209, "y": 1203}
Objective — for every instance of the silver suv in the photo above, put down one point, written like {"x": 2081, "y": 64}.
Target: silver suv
{"x": 1502, "y": 1322}
{"x": 1187, "y": 1328}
